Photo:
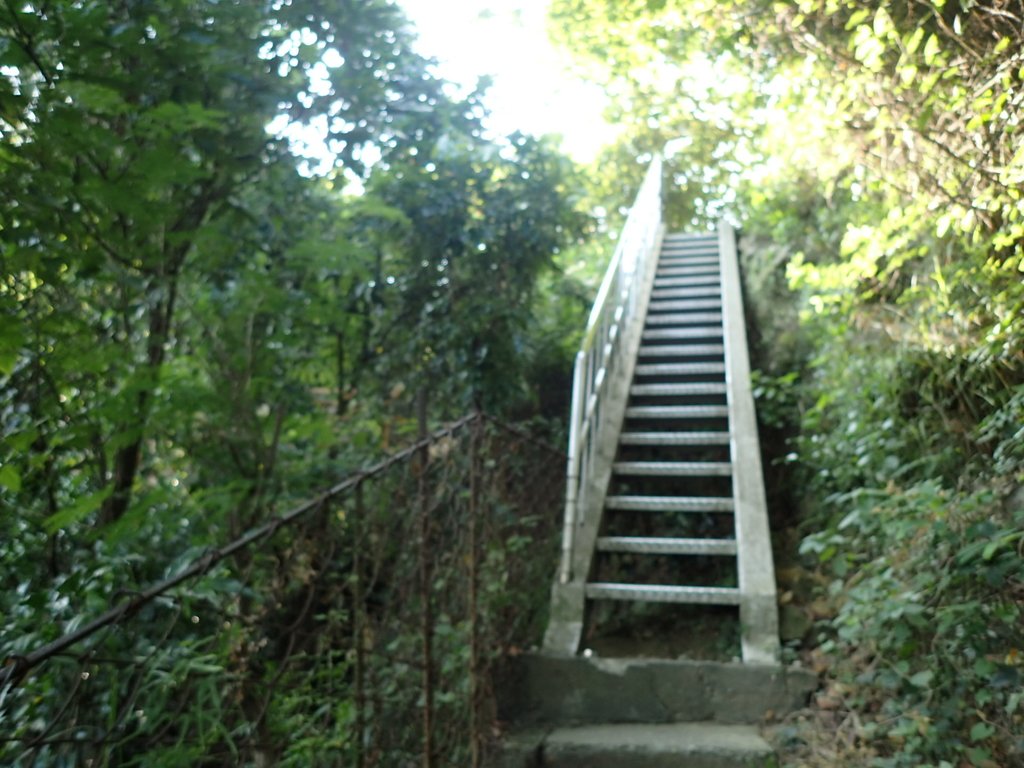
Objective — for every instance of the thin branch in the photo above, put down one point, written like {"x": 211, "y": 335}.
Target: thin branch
{"x": 26, "y": 43}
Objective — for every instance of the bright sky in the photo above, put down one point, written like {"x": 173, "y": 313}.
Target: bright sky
{"x": 507, "y": 39}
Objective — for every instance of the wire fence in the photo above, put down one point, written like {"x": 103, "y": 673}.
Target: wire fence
{"x": 363, "y": 628}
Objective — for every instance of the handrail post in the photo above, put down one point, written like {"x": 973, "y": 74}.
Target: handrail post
{"x": 572, "y": 467}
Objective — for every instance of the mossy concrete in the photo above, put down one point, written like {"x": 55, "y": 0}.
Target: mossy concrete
{"x": 669, "y": 745}
{"x": 552, "y": 691}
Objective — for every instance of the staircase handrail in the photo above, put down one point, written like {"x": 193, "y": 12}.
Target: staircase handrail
{"x": 613, "y": 313}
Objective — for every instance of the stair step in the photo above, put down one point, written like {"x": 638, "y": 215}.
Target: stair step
{"x": 663, "y": 593}
{"x": 689, "y": 318}
{"x": 552, "y": 691}
{"x": 678, "y": 369}
{"x": 669, "y": 503}
{"x": 696, "y": 246}
{"x": 674, "y": 438}
{"x": 688, "y": 258}
{"x": 706, "y": 265}
{"x": 655, "y": 545}
{"x": 673, "y": 468}
{"x": 692, "y": 249}
{"x": 690, "y": 237}
{"x": 685, "y": 293}
{"x": 677, "y": 412}
{"x": 711, "y": 269}
{"x": 684, "y": 281}
{"x": 691, "y": 262}
{"x": 669, "y": 390}
{"x": 622, "y": 745}
{"x": 673, "y": 334}
{"x": 681, "y": 350}
{"x": 663, "y": 305}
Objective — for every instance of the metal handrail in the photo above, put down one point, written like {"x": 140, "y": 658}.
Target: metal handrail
{"x": 614, "y": 312}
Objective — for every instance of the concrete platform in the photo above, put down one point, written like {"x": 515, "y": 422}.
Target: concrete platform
{"x": 557, "y": 691}
{"x": 676, "y": 745}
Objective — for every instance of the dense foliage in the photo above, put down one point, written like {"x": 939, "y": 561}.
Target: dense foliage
{"x": 872, "y": 153}
{"x": 194, "y": 335}
{"x": 368, "y": 630}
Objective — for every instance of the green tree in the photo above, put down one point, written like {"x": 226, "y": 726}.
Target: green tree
{"x": 194, "y": 334}
{"x": 480, "y": 224}
{"x": 130, "y": 131}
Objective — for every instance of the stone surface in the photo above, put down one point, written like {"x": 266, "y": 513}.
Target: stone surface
{"x": 565, "y": 690}
{"x": 678, "y": 745}
{"x": 520, "y": 749}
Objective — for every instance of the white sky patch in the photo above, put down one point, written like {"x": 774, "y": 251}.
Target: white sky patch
{"x": 532, "y": 89}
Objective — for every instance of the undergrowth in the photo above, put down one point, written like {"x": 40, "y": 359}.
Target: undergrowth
{"x": 907, "y": 419}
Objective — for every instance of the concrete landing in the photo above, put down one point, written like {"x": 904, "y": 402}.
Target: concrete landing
{"x": 555, "y": 691}
{"x": 676, "y": 745}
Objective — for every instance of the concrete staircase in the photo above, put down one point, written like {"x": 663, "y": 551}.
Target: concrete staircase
{"x": 665, "y": 507}
{"x": 669, "y": 509}
{"x": 670, "y": 506}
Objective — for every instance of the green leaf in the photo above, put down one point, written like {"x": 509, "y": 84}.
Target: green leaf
{"x": 931, "y": 50}
{"x": 128, "y": 524}
{"x": 915, "y": 40}
{"x": 981, "y": 731}
{"x": 97, "y": 98}
{"x": 882, "y": 23}
{"x": 77, "y": 511}
{"x": 9, "y": 478}
{"x": 993, "y": 547}
{"x": 856, "y": 18}
{"x": 979, "y": 757}
{"x": 929, "y": 82}
{"x": 22, "y": 440}
{"x": 922, "y": 678}
{"x": 12, "y": 337}
{"x": 1013, "y": 702}
{"x": 984, "y": 668}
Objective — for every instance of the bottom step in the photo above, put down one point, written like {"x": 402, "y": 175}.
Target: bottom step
{"x": 671, "y": 745}
{"x": 544, "y": 690}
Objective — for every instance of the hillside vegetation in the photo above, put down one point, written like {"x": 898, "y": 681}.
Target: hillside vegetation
{"x": 205, "y": 322}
